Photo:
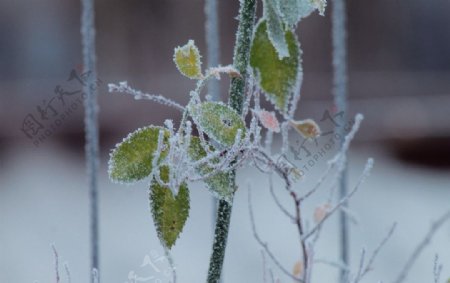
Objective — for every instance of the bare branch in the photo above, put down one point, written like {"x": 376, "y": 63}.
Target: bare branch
{"x": 362, "y": 178}
{"x": 67, "y": 270}
{"x": 437, "y": 269}
{"x": 377, "y": 251}
{"x": 55, "y": 253}
{"x": 277, "y": 201}
{"x": 264, "y": 245}
{"x": 137, "y": 94}
{"x": 412, "y": 259}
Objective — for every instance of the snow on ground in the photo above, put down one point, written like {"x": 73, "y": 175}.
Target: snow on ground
{"x": 43, "y": 200}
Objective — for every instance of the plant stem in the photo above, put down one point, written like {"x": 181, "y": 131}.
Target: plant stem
{"x": 339, "y": 35}
{"x": 242, "y": 52}
{"x": 220, "y": 241}
{"x": 91, "y": 122}
{"x": 241, "y": 58}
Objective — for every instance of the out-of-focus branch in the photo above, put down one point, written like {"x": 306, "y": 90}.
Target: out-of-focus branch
{"x": 421, "y": 246}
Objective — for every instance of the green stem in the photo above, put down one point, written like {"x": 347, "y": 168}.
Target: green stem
{"x": 241, "y": 58}
{"x": 242, "y": 52}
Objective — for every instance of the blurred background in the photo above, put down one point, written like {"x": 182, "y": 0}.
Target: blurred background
{"x": 399, "y": 78}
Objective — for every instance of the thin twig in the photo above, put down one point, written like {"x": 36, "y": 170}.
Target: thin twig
{"x": 264, "y": 245}
{"x": 67, "y": 270}
{"x": 277, "y": 201}
{"x": 123, "y": 87}
{"x": 55, "y": 254}
{"x": 362, "y": 178}
{"x": 377, "y": 251}
{"x": 421, "y": 246}
{"x": 437, "y": 269}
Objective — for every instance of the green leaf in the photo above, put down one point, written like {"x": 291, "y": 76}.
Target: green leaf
{"x": 278, "y": 78}
{"x": 131, "y": 160}
{"x": 218, "y": 184}
{"x": 220, "y": 122}
{"x": 275, "y": 29}
{"x": 187, "y": 60}
{"x": 169, "y": 213}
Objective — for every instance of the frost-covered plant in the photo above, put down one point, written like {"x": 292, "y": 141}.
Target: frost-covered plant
{"x": 215, "y": 138}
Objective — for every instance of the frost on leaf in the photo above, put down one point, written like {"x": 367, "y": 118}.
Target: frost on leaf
{"x": 290, "y": 11}
{"x": 218, "y": 121}
{"x": 293, "y": 11}
{"x": 277, "y": 77}
{"x": 187, "y": 59}
{"x": 217, "y": 184}
{"x": 275, "y": 28}
{"x": 307, "y": 128}
{"x": 131, "y": 160}
{"x": 320, "y": 6}
{"x": 269, "y": 120}
{"x": 169, "y": 213}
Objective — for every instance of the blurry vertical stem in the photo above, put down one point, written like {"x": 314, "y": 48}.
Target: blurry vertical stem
{"x": 213, "y": 55}
{"x": 241, "y": 59}
{"x": 91, "y": 122}
{"x": 212, "y": 44}
{"x": 339, "y": 35}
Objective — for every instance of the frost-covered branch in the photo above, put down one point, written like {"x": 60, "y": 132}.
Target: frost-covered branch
{"x": 362, "y": 178}
{"x": 137, "y": 94}
{"x": 264, "y": 245}
{"x": 437, "y": 269}
{"x": 421, "y": 246}
{"x": 55, "y": 254}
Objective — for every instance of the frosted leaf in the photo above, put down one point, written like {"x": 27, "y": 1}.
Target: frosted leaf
{"x": 290, "y": 11}
{"x": 230, "y": 70}
{"x": 268, "y": 120}
{"x": 218, "y": 184}
{"x": 169, "y": 213}
{"x": 307, "y": 128}
{"x": 320, "y": 6}
{"x": 293, "y": 11}
{"x": 218, "y": 121}
{"x": 305, "y": 8}
{"x": 276, "y": 77}
{"x": 275, "y": 29}
{"x": 187, "y": 59}
{"x": 132, "y": 159}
